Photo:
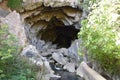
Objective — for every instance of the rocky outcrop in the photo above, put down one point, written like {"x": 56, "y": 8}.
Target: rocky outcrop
{"x": 52, "y": 26}
{"x": 15, "y": 26}
{"x": 54, "y": 21}
{"x": 52, "y": 3}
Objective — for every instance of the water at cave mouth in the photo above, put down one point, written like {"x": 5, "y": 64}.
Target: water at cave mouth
{"x": 67, "y": 76}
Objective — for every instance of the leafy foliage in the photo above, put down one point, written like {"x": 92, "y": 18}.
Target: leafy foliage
{"x": 15, "y": 4}
{"x": 87, "y": 3}
{"x": 11, "y": 66}
{"x": 100, "y": 33}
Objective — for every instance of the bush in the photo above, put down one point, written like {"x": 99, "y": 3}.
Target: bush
{"x": 15, "y": 4}
{"x": 87, "y": 3}
{"x": 11, "y": 66}
{"x": 100, "y": 33}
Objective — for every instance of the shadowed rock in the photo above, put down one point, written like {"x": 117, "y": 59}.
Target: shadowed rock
{"x": 67, "y": 76}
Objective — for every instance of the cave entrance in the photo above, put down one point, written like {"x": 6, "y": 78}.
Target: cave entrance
{"x": 59, "y": 34}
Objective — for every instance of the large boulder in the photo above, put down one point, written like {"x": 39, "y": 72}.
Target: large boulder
{"x": 70, "y": 67}
{"x": 73, "y": 51}
{"x": 59, "y": 58}
{"x": 15, "y": 26}
{"x": 88, "y": 73}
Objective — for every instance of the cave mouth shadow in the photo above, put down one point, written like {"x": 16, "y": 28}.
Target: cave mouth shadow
{"x": 60, "y": 35}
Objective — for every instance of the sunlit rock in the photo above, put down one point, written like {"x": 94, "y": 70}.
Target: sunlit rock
{"x": 59, "y": 58}
{"x": 15, "y": 26}
{"x": 70, "y": 67}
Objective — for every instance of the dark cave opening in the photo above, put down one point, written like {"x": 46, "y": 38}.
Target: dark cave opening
{"x": 60, "y": 35}
{"x": 65, "y": 35}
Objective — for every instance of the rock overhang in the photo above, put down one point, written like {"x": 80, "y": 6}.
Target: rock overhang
{"x": 50, "y": 3}
{"x": 45, "y": 18}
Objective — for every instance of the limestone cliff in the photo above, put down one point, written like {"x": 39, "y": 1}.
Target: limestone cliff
{"x": 51, "y": 20}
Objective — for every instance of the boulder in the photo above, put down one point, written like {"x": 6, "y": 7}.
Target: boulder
{"x": 87, "y": 73}
{"x": 73, "y": 51}
{"x": 64, "y": 51}
{"x": 70, "y": 67}
{"x": 29, "y": 51}
{"x": 14, "y": 22}
{"x": 59, "y": 58}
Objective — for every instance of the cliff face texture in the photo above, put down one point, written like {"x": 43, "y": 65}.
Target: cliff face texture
{"x": 52, "y": 26}
{"x": 51, "y": 3}
{"x": 55, "y": 21}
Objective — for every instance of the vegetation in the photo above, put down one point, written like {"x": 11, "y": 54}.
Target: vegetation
{"x": 100, "y": 33}
{"x": 11, "y": 66}
{"x": 15, "y": 4}
{"x": 87, "y": 3}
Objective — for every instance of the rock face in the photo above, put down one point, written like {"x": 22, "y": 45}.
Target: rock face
{"x": 13, "y": 20}
{"x": 51, "y": 26}
{"x": 52, "y": 3}
{"x": 54, "y": 21}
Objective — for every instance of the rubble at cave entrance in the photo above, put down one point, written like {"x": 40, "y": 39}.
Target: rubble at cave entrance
{"x": 53, "y": 29}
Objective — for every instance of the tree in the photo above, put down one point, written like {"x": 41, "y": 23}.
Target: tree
{"x": 100, "y": 33}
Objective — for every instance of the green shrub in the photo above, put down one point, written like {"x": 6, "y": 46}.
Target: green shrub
{"x": 100, "y": 33}
{"x": 11, "y": 66}
{"x": 6, "y": 48}
{"x": 15, "y": 4}
{"x": 87, "y": 3}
